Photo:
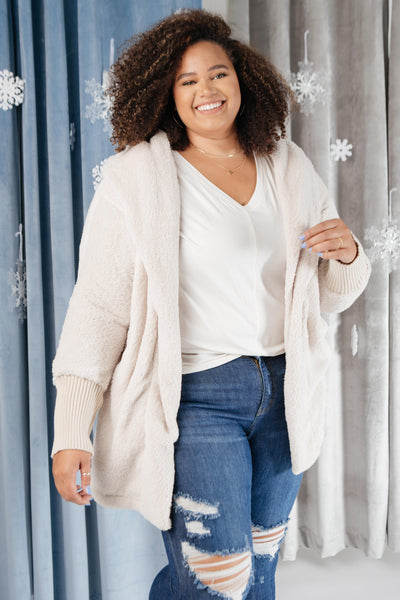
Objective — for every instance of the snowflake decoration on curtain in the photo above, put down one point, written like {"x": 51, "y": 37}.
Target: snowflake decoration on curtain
{"x": 11, "y": 90}
{"x": 18, "y": 288}
{"x": 341, "y": 150}
{"x": 17, "y": 280}
{"x": 100, "y": 107}
{"x": 385, "y": 241}
{"x": 72, "y": 135}
{"x": 307, "y": 84}
{"x": 385, "y": 244}
{"x": 98, "y": 173}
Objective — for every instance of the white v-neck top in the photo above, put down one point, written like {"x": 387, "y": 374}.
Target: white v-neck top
{"x": 232, "y": 270}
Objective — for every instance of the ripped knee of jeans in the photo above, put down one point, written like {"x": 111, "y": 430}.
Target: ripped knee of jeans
{"x": 224, "y": 575}
{"x": 267, "y": 541}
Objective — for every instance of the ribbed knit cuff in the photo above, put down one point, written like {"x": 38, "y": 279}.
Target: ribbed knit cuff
{"x": 78, "y": 401}
{"x": 348, "y": 278}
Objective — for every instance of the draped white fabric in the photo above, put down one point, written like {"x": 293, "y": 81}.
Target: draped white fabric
{"x": 351, "y": 496}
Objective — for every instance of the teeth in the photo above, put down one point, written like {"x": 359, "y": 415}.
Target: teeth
{"x": 209, "y": 106}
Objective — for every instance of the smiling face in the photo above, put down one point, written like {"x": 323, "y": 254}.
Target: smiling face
{"x": 206, "y": 92}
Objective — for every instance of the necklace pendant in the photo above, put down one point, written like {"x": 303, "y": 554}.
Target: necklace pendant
{"x": 230, "y": 172}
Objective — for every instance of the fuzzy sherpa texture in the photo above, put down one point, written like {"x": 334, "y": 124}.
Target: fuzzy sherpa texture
{"x": 120, "y": 352}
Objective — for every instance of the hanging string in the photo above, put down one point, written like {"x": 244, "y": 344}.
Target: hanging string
{"x": 112, "y": 51}
{"x": 106, "y": 75}
{"x": 305, "y": 47}
{"x": 390, "y": 202}
{"x": 21, "y": 245}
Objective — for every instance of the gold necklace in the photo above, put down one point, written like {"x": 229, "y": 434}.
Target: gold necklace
{"x": 240, "y": 151}
{"x": 231, "y": 171}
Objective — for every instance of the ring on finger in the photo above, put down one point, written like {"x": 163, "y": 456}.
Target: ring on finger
{"x": 341, "y": 243}
{"x": 87, "y": 474}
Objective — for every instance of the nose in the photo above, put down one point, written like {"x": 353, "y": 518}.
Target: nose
{"x": 206, "y": 86}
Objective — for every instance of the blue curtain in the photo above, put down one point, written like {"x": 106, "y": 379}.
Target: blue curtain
{"x": 55, "y": 54}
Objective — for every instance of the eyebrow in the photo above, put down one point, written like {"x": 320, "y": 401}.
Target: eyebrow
{"x": 210, "y": 69}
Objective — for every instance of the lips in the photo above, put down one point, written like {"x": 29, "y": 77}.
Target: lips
{"x": 209, "y": 106}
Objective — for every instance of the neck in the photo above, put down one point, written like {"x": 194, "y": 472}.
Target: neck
{"x": 222, "y": 145}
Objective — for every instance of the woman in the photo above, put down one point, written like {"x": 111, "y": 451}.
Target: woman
{"x": 208, "y": 253}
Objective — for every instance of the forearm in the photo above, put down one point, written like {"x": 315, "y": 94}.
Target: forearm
{"x": 78, "y": 401}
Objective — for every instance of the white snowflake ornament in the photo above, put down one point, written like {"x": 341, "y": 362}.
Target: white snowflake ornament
{"x": 307, "y": 85}
{"x": 18, "y": 288}
{"x": 18, "y": 282}
{"x": 11, "y": 90}
{"x": 98, "y": 173}
{"x": 341, "y": 150}
{"x": 99, "y": 109}
{"x": 385, "y": 242}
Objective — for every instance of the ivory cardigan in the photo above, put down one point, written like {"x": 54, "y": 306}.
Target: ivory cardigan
{"x": 119, "y": 353}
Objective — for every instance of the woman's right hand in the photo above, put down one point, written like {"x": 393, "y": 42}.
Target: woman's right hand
{"x": 66, "y": 464}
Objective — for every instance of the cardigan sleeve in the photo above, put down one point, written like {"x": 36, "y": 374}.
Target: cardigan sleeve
{"x": 95, "y": 328}
{"x": 339, "y": 284}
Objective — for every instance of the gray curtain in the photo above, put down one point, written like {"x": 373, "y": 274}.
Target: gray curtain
{"x": 349, "y": 125}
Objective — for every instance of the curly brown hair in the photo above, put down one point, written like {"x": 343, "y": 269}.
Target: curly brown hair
{"x": 142, "y": 80}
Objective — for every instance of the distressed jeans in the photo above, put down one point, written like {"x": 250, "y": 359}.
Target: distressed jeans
{"x": 234, "y": 486}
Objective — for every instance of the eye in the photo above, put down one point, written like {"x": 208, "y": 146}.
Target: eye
{"x": 188, "y": 82}
{"x": 220, "y": 75}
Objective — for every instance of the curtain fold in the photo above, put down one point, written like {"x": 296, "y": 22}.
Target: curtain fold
{"x": 394, "y": 289}
{"x": 15, "y": 549}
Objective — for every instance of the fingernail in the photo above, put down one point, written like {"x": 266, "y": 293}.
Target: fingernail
{"x": 88, "y": 504}
{"x": 89, "y": 491}
{"x": 303, "y": 245}
{"x": 310, "y": 249}
{"x": 302, "y": 237}
{"x": 320, "y": 254}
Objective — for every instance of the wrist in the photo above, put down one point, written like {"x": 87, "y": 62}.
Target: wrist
{"x": 351, "y": 262}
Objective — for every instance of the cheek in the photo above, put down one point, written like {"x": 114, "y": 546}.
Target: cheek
{"x": 181, "y": 99}
{"x": 237, "y": 92}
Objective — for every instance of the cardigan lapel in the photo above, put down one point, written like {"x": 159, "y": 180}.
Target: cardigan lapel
{"x": 294, "y": 185}
{"x": 147, "y": 174}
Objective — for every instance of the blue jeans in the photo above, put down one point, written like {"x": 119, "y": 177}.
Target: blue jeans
{"x": 234, "y": 486}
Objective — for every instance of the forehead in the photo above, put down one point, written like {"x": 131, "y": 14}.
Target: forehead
{"x": 203, "y": 53}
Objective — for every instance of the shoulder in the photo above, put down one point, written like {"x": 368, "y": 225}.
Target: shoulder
{"x": 291, "y": 165}
{"x": 140, "y": 175}
{"x": 139, "y": 152}
{"x": 289, "y": 154}
{"x": 136, "y": 163}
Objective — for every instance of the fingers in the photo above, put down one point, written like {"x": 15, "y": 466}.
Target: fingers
{"x": 321, "y": 227}
{"x": 66, "y": 464}
{"x": 330, "y": 239}
{"x": 85, "y": 475}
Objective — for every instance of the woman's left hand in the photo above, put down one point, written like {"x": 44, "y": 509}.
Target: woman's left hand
{"x": 330, "y": 239}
